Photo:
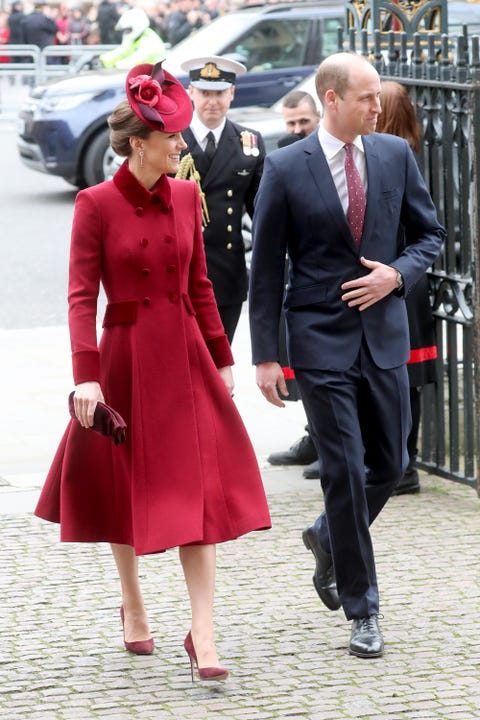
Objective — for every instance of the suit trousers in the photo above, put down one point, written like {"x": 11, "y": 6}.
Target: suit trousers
{"x": 230, "y": 315}
{"x": 360, "y": 420}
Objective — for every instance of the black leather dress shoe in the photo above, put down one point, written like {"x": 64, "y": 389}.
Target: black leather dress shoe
{"x": 366, "y": 640}
{"x": 324, "y": 575}
{"x": 312, "y": 471}
{"x": 302, "y": 452}
{"x": 409, "y": 484}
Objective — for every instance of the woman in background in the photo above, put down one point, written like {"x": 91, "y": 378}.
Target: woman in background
{"x": 398, "y": 118}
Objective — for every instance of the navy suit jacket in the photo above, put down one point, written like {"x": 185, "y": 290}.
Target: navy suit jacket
{"x": 298, "y": 210}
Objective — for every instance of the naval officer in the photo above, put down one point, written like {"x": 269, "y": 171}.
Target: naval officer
{"x": 229, "y": 160}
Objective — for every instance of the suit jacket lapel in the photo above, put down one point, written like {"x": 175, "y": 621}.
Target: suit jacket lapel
{"x": 373, "y": 174}
{"x": 318, "y": 167}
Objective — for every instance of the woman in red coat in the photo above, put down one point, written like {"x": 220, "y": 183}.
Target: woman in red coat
{"x": 163, "y": 363}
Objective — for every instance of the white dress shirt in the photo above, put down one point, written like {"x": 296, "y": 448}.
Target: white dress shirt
{"x": 334, "y": 151}
{"x": 201, "y": 131}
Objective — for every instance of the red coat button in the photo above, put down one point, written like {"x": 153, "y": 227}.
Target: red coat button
{"x": 139, "y": 211}
{"x": 144, "y": 242}
{"x": 168, "y": 239}
{"x": 145, "y": 272}
{"x": 146, "y": 301}
{"x": 171, "y": 269}
{"x": 174, "y": 297}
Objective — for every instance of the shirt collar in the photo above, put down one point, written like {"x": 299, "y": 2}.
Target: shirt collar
{"x": 331, "y": 145}
{"x": 201, "y": 131}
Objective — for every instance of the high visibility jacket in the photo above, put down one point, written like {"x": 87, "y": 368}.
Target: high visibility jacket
{"x": 148, "y": 48}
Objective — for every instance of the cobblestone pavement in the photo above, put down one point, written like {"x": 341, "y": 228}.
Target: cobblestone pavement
{"x": 62, "y": 655}
{"x": 61, "y": 652}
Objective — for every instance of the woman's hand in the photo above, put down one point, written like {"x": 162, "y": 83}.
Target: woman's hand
{"x": 227, "y": 377}
{"x": 85, "y": 400}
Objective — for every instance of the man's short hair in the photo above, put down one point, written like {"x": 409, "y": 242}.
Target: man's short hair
{"x": 295, "y": 97}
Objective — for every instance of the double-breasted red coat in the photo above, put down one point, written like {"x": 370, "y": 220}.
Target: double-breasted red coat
{"x": 187, "y": 472}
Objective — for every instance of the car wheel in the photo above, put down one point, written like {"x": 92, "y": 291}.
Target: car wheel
{"x": 98, "y": 159}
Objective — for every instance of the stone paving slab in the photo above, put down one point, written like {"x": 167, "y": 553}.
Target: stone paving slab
{"x": 62, "y": 656}
{"x": 61, "y": 649}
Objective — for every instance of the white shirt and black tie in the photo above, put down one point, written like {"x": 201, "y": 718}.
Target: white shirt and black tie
{"x": 205, "y": 137}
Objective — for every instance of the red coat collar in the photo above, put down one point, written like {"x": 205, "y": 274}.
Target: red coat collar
{"x": 137, "y": 194}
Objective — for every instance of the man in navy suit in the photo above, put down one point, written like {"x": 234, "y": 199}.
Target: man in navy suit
{"x": 347, "y": 323}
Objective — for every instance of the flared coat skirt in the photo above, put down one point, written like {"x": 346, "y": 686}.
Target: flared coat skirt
{"x": 187, "y": 473}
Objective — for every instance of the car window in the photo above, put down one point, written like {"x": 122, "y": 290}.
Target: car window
{"x": 272, "y": 44}
{"x": 209, "y": 40}
{"x": 307, "y": 85}
{"x": 330, "y": 36}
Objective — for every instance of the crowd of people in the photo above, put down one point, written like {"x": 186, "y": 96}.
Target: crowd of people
{"x": 48, "y": 23}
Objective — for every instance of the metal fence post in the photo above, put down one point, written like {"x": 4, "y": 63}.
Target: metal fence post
{"x": 475, "y": 210}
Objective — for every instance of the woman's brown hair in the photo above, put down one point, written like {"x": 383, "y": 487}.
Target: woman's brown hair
{"x": 124, "y": 124}
{"x": 398, "y": 114}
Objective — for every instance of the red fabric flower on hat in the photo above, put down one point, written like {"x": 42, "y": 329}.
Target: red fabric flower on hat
{"x": 158, "y": 99}
{"x": 146, "y": 90}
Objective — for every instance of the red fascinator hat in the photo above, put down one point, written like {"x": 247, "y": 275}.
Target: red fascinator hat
{"x": 158, "y": 99}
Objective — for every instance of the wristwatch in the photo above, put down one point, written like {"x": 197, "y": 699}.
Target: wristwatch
{"x": 399, "y": 280}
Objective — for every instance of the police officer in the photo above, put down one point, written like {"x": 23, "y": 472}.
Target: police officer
{"x": 140, "y": 43}
{"x": 229, "y": 159}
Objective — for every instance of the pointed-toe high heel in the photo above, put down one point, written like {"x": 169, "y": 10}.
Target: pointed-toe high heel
{"x": 139, "y": 647}
{"x": 207, "y": 673}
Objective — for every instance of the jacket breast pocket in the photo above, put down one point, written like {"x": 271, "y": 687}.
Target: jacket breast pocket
{"x": 390, "y": 203}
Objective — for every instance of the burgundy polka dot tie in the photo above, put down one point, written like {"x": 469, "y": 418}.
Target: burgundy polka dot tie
{"x": 356, "y": 195}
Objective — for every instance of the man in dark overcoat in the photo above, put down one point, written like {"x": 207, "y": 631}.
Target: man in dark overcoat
{"x": 229, "y": 159}
{"x": 38, "y": 28}
{"x": 15, "y": 25}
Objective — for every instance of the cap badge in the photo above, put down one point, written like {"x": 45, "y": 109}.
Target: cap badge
{"x": 210, "y": 71}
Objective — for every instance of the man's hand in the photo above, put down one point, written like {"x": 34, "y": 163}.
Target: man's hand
{"x": 369, "y": 289}
{"x": 269, "y": 378}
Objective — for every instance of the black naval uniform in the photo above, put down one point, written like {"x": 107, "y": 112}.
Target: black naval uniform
{"x": 230, "y": 182}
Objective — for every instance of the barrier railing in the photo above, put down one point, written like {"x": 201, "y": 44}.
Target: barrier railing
{"x": 41, "y": 65}
{"x": 25, "y": 60}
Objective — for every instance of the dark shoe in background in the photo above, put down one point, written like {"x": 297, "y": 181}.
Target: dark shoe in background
{"x": 409, "y": 484}
{"x": 312, "y": 471}
{"x": 324, "y": 575}
{"x": 302, "y": 452}
{"x": 366, "y": 640}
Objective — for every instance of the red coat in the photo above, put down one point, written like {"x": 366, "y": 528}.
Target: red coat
{"x": 187, "y": 472}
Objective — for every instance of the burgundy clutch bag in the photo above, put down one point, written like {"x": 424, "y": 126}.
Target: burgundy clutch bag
{"x": 106, "y": 421}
